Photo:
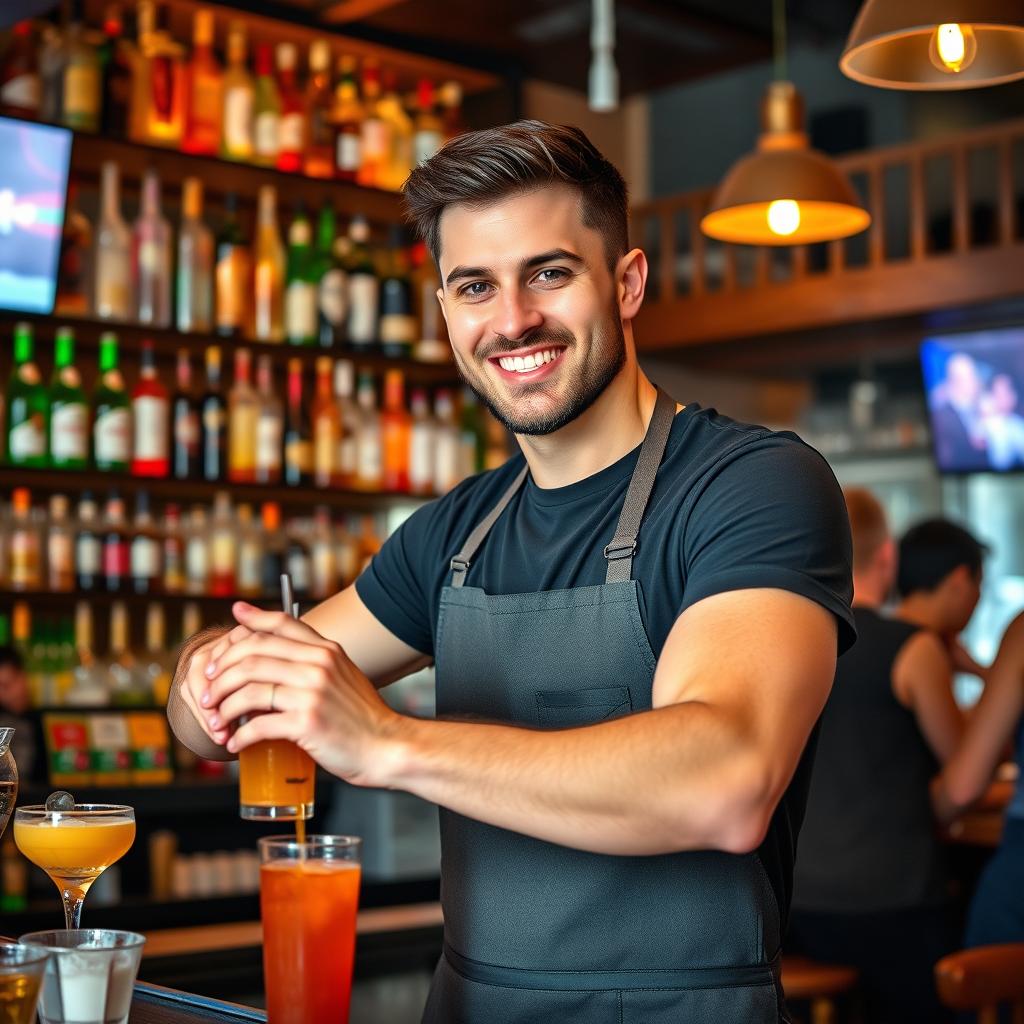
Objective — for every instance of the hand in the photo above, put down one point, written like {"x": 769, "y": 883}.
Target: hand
{"x": 298, "y": 686}
{"x": 190, "y": 681}
{"x": 962, "y": 659}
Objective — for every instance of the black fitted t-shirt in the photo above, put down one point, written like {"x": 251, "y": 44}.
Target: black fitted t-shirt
{"x": 734, "y": 507}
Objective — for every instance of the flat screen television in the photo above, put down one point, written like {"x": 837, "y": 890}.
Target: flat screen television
{"x": 974, "y": 386}
{"x": 34, "y": 162}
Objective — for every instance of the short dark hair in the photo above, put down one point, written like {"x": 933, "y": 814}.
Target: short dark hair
{"x": 931, "y": 550}
{"x": 483, "y": 167}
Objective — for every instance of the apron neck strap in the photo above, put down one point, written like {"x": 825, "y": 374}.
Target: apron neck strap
{"x": 619, "y": 553}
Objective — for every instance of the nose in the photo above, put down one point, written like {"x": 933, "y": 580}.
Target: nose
{"x": 515, "y": 315}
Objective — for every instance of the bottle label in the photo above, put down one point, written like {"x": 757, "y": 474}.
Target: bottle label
{"x": 196, "y": 565}
{"x": 300, "y": 310}
{"x": 69, "y": 432}
{"x": 334, "y": 296}
{"x": 25, "y": 564}
{"x": 60, "y": 558}
{"x": 363, "y": 297}
{"x": 186, "y": 432}
{"x": 397, "y": 329}
{"x": 242, "y": 427}
{"x": 82, "y": 94}
{"x": 113, "y": 436}
{"x": 349, "y": 152}
{"x": 421, "y": 458}
{"x": 115, "y": 558}
{"x": 23, "y": 92}
{"x": 267, "y": 133}
{"x": 325, "y": 449}
{"x": 145, "y": 558}
{"x": 370, "y": 457}
{"x": 113, "y": 283}
{"x": 268, "y": 443}
{"x": 27, "y": 440}
{"x": 151, "y": 428}
{"x": 222, "y": 553}
{"x": 348, "y": 456}
{"x": 88, "y": 554}
{"x": 446, "y": 462}
{"x": 238, "y": 121}
{"x": 376, "y": 140}
{"x": 232, "y": 282}
{"x": 290, "y": 133}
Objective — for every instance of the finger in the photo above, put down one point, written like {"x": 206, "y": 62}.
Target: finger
{"x": 278, "y": 623}
{"x": 270, "y": 698}
{"x": 224, "y": 643}
{"x": 273, "y": 646}
{"x": 266, "y": 727}
{"x": 256, "y": 669}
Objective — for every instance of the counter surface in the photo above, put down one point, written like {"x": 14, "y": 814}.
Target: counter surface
{"x": 155, "y": 1005}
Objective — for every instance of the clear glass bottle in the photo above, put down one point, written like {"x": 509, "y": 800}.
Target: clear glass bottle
{"x": 250, "y": 554}
{"x": 113, "y": 295}
{"x": 25, "y": 544}
{"x": 428, "y": 134}
{"x": 144, "y": 557}
{"x": 369, "y": 442}
{"x": 363, "y": 287}
{"x": 197, "y": 552}
{"x": 151, "y": 257}
{"x": 269, "y": 271}
{"x": 375, "y": 133}
{"x": 194, "y": 298}
{"x": 447, "y": 463}
{"x": 349, "y": 418}
{"x": 239, "y": 98}
{"x": 223, "y": 547}
{"x": 88, "y": 546}
{"x": 323, "y": 556}
{"x": 60, "y": 547}
{"x": 159, "y": 662}
{"x": 422, "y": 442}
{"x": 89, "y": 686}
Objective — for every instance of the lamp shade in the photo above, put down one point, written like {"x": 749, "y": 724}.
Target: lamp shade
{"x": 784, "y": 193}
{"x": 936, "y": 44}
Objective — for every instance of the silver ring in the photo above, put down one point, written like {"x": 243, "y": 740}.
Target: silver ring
{"x": 273, "y": 687}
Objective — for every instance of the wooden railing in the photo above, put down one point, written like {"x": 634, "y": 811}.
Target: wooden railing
{"x": 945, "y": 232}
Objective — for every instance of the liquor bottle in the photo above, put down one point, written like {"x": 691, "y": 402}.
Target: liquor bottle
{"x": 239, "y": 99}
{"x": 151, "y": 415}
{"x": 274, "y": 545}
{"x": 185, "y": 460}
{"x": 266, "y": 110}
{"x": 332, "y": 289}
{"x": 88, "y": 547}
{"x": 113, "y": 296}
{"x": 112, "y": 416}
{"x": 428, "y": 134}
{"x": 269, "y": 271}
{"x": 158, "y": 670}
{"x": 144, "y": 553}
{"x": 349, "y": 418}
{"x": 347, "y": 553}
{"x": 348, "y": 117}
{"x": 204, "y": 93}
{"x": 127, "y": 686}
{"x": 28, "y": 405}
{"x": 446, "y": 444}
{"x": 233, "y": 279}
{"x": 222, "y": 547}
{"x": 421, "y": 445}
{"x": 243, "y": 420}
{"x": 89, "y": 682}
{"x": 374, "y": 134}
{"x": 297, "y": 455}
{"x": 250, "y": 554}
{"x": 397, "y": 322}
{"x": 326, "y": 426}
{"x": 398, "y": 163}
{"x": 20, "y": 86}
{"x": 432, "y": 333}
{"x": 369, "y": 447}
{"x": 213, "y": 419}
{"x": 291, "y": 138}
{"x": 297, "y": 561}
{"x": 116, "y": 554}
{"x": 25, "y": 541}
{"x": 80, "y": 106}
{"x": 363, "y": 287}
{"x": 194, "y": 298}
{"x": 270, "y": 427}
{"x": 151, "y": 257}
{"x": 197, "y": 552}
{"x": 69, "y": 412}
{"x": 323, "y": 556}
{"x": 116, "y": 69}
{"x": 73, "y": 273}
{"x": 472, "y": 437}
{"x": 396, "y": 431}
{"x": 301, "y": 297}
{"x": 163, "y": 71}
{"x": 60, "y": 547}
{"x": 450, "y": 95}
{"x": 320, "y": 148}
{"x": 174, "y": 551}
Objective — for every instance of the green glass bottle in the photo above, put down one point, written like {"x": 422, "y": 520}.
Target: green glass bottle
{"x": 112, "y": 415}
{"x": 332, "y": 287}
{"x": 28, "y": 405}
{"x": 301, "y": 325}
{"x": 69, "y": 411}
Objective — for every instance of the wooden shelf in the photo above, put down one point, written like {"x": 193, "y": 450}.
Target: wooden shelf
{"x": 73, "y": 481}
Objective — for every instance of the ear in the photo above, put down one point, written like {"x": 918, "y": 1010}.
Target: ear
{"x": 440, "y": 301}
{"x": 631, "y": 282}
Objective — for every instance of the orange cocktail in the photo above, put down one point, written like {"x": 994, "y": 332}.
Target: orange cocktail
{"x": 276, "y": 779}
{"x": 309, "y": 895}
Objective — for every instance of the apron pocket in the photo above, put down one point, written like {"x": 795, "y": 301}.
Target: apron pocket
{"x": 562, "y": 709}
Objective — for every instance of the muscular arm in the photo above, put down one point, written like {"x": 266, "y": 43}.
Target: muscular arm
{"x": 969, "y": 771}
{"x": 741, "y": 680}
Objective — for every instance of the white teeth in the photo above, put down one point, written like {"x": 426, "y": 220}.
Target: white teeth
{"x": 520, "y": 364}
{"x": 530, "y": 363}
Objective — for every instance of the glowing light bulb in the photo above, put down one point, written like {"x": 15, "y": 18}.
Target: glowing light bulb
{"x": 783, "y": 216}
{"x": 953, "y": 47}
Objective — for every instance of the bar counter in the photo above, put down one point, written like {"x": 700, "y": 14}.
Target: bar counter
{"x": 155, "y": 1005}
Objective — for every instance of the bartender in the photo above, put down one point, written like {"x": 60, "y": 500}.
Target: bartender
{"x": 634, "y": 624}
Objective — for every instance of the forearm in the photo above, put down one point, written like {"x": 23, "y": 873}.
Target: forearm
{"x": 676, "y": 778}
{"x": 181, "y": 720}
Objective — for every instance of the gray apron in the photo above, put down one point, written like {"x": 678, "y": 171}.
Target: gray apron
{"x": 536, "y": 932}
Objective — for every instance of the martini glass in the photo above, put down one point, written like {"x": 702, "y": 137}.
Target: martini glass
{"x": 74, "y": 847}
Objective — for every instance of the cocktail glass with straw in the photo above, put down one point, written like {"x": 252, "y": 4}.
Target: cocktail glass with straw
{"x": 74, "y": 844}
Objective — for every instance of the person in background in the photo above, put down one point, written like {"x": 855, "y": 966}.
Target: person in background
{"x": 15, "y": 702}
{"x": 870, "y": 886}
{"x": 956, "y": 415}
{"x": 997, "y": 910}
{"x": 1001, "y": 424}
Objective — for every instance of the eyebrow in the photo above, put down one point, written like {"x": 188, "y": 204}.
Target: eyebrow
{"x": 461, "y": 273}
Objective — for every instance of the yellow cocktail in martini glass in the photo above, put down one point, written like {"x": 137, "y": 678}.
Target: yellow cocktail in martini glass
{"x": 74, "y": 847}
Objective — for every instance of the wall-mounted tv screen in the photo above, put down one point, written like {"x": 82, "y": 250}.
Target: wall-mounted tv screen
{"x": 974, "y": 384}
{"x": 33, "y": 186}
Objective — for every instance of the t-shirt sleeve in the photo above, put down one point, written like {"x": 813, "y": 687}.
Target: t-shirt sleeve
{"x": 773, "y": 516}
{"x": 397, "y": 584}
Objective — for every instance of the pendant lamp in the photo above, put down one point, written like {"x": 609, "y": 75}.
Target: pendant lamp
{"x": 936, "y": 44}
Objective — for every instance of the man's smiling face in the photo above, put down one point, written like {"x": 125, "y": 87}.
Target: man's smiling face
{"x": 531, "y": 307}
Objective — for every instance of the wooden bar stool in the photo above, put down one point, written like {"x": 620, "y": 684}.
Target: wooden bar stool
{"x": 984, "y": 979}
{"x": 807, "y": 981}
